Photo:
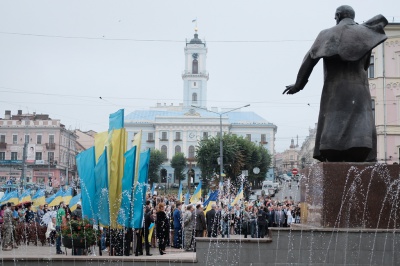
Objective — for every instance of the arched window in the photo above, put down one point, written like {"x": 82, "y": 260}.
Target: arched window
{"x": 194, "y": 97}
{"x": 178, "y": 149}
{"x": 164, "y": 150}
{"x": 195, "y": 67}
{"x": 191, "y": 152}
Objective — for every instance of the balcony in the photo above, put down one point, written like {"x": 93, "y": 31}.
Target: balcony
{"x": 163, "y": 139}
{"x": 3, "y": 145}
{"x": 177, "y": 139}
{"x": 150, "y": 140}
{"x": 50, "y": 146}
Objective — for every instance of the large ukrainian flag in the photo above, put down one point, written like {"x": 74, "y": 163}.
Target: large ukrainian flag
{"x": 74, "y": 201}
{"x": 39, "y": 198}
{"x": 56, "y": 199}
{"x": 196, "y": 195}
{"x": 25, "y": 196}
{"x": 67, "y": 196}
{"x": 116, "y": 149}
{"x": 11, "y": 197}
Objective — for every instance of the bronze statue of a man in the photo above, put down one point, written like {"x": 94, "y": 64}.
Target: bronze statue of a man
{"x": 346, "y": 128}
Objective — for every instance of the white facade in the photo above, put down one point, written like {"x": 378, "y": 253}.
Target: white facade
{"x": 172, "y": 129}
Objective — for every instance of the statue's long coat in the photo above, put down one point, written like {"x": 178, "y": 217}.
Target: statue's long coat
{"x": 345, "y": 120}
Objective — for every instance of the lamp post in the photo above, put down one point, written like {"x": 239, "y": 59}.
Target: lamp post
{"x": 221, "y": 150}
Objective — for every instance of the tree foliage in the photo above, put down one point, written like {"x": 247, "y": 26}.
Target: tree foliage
{"x": 238, "y": 154}
{"x": 156, "y": 159}
{"x": 178, "y": 162}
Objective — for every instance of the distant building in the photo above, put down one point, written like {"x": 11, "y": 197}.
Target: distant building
{"x": 173, "y": 129}
{"x": 50, "y": 149}
{"x": 307, "y": 149}
{"x": 286, "y": 161}
{"x": 84, "y": 140}
{"x": 384, "y": 84}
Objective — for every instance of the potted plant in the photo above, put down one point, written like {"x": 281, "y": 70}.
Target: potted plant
{"x": 79, "y": 234}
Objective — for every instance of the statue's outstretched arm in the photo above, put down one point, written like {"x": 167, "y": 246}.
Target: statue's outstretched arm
{"x": 302, "y": 77}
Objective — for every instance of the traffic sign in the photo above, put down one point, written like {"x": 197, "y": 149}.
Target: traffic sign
{"x": 295, "y": 171}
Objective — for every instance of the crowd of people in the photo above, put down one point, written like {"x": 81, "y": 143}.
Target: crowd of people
{"x": 167, "y": 222}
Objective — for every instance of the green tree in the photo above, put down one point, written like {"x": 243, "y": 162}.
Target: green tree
{"x": 178, "y": 162}
{"x": 156, "y": 159}
{"x": 238, "y": 154}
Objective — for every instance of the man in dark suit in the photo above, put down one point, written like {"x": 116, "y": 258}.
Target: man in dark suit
{"x": 212, "y": 223}
{"x": 200, "y": 221}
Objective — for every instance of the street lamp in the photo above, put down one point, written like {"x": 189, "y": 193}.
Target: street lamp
{"x": 221, "y": 158}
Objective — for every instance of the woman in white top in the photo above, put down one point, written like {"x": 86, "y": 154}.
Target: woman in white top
{"x": 51, "y": 230}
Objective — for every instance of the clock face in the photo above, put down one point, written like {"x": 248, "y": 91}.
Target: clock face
{"x": 192, "y": 135}
{"x": 195, "y": 56}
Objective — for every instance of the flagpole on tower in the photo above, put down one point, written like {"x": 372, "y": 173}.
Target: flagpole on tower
{"x": 195, "y": 21}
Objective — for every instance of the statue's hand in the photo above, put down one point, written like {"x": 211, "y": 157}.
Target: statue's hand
{"x": 291, "y": 89}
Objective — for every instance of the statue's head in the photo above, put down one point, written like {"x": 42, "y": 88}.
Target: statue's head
{"x": 344, "y": 12}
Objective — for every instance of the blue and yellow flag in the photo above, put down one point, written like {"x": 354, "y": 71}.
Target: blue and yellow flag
{"x": 56, "y": 199}
{"x": 25, "y": 196}
{"x": 86, "y": 162}
{"x": 116, "y": 148}
{"x": 180, "y": 192}
{"x": 210, "y": 203}
{"x": 101, "y": 204}
{"x": 196, "y": 195}
{"x": 39, "y": 198}
{"x": 151, "y": 230}
{"x": 73, "y": 202}
{"x": 239, "y": 196}
{"x": 187, "y": 198}
{"x": 125, "y": 212}
{"x": 116, "y": 120}
{"x": 212, "y": 198}
{"x": 140, "y": 190}
{"x": 12, "y": 197}
{"x": 137, "y": 142}
{"x": 67, "y": 196}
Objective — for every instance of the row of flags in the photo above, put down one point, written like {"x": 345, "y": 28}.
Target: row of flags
{"x": 38, "y": 198}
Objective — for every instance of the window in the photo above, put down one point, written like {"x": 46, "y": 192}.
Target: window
{"x": 248, "y": 137}
{"x": 2, "y": 155}
{"x": 373, "y": 107}
{"x": 15, "y": 139}
{"x": 195, "y": 67}
{"x": 3, "y": 138}
{"x": 177, "y": 135}
{"x": 50, "y": 157}
{"x": 263, "y": 138}
{"x": 150, "y": 136}
{"x": 178, "y": 149}
{"x": 291, "y": 157}
{"x": 205, "y": 135}
{"x": 164, "y": 151}
{"x": 371, "y": 68}
{"x": 38, "y": 156}
{"x": 14, "y": 155}
{"x": 51, "y": 138}
{"x": 26, "y": 138}
{"x": 194, "y": 97}
{"x": 38, "y": 139}
{"x": 191, "y": 152}
{"x": 194, "y": 84}
{"x": 164, "y": 135}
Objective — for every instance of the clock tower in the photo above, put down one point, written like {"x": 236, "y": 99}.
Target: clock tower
{"x": 195, "y": 75}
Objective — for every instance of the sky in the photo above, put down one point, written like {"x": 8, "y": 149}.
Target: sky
{"x": 79, "y": 61}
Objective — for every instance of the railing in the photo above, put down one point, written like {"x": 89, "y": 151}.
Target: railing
{"x": 50, "y": 146}
{"x": 3, "y": 145}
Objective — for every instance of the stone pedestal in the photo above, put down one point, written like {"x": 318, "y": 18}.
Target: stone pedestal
{"x": 351, "y": 195}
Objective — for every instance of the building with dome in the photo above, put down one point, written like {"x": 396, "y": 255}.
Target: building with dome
{"x": 173, "y": 129}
